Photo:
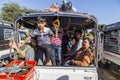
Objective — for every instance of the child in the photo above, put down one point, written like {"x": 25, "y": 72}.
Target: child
{"x": 56, "y": 43}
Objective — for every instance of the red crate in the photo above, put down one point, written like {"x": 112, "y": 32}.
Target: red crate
{"x": 27, "y": 76}
{"x": 6, "y": 78}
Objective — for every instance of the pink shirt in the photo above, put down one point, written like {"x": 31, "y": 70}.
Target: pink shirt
{"x": 56, "y": 41}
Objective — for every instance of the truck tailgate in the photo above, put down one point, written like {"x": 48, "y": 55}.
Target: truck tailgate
{"x": 65, "y": 73}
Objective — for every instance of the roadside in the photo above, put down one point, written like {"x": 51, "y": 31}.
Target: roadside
{"x": 108, "y": 74}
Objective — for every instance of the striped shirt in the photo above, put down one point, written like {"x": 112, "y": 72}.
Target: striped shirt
{"x": 56, "y": 41}
{"x": 44, "y": 37}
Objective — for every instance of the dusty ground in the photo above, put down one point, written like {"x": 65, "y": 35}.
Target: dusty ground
{"x": 108, "y": 74}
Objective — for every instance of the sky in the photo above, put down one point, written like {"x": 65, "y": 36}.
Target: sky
{"x": 106, "y": 11}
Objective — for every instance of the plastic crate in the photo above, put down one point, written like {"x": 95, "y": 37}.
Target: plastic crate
{"x": 7, "y": 79}
{"x": 29, "y": 75}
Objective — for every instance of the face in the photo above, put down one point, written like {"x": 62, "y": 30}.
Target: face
{"x": 22, "y": 27}
{"x": 41, "y": 25}
{"x": 73, "y": 41}
{"x": 86, "y": 43}
{"x": 77, "y": 34}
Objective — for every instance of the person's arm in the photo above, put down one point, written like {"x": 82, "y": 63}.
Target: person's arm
{"x": 76, "y": 47}
{"x": 56, "y": 30}
{"x": 51, "y": 32}
{"x": 25, "y": 41}
{"x": 85, "y": 62}
{"x": 68, "y": 24}
{"x": 18, "y": 50}
{"x": 32, "y": 35}
{"x": 73, "y": 51}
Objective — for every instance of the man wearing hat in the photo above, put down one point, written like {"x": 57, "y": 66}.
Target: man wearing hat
{"x": 43, "y": 35}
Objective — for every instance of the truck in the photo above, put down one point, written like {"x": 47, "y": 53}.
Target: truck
{"x": 7, "y": 34}
{"x": 110, "y": 52}
{"x": 70, "y": 21}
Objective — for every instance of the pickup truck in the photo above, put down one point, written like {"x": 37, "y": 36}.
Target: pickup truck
{"x": 110, "y": 40}
{"x": 6, "y": 34}
{"x": 70, "y": 21}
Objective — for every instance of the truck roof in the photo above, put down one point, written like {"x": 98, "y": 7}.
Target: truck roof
{"x": 4, "y": 23}
{"x": 73, "y": 19}
{"x": 113, "y": 26}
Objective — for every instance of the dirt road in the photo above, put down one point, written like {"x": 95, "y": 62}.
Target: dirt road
{"x": 108, "y": 74}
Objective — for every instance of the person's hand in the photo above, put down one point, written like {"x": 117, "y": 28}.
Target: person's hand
{"x": 72, "y": 61}
{"x": 12, "y": 44}
{"x": 56, "y": 26}
{"x": 20, "y": 44}
{"x": 67, "y": 63}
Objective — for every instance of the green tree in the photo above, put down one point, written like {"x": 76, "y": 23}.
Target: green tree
{"x": 11, "y": 10}
{"x": 0, "y": 16}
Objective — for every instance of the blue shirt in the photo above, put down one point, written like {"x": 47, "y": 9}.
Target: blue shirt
{"x": 44, "y": 37}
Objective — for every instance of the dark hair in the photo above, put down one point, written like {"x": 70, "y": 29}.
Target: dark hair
{"x": 41, "y": 18}
{"x": 78, "y": 30}
{"x": 90, "y": 42}
{"x": 21, "y": 26}
{"x": 92, "y": 33}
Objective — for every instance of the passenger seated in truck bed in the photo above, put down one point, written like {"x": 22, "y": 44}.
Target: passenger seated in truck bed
{"x": 84, "y": 56}
{"x": 25, "y": 52}
{"x": 78, "y": 43}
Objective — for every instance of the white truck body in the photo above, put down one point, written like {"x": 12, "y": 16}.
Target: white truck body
{"x": 65, "y": 73}
{"x": 112, "y": 57}
{"x": 6, "y": 53}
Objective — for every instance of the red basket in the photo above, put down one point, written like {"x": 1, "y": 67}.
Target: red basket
{"x": 27, "y": 76}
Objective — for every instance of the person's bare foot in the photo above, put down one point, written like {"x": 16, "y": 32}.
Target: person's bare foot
{"x": 48, "y": 63}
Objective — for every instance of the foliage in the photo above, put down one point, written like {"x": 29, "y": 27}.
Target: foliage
{"x": 11, "y": 10}
{"x": 0, "y": 16}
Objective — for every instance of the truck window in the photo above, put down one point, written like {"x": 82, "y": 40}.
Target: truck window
{"x": 8, "y": 34}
